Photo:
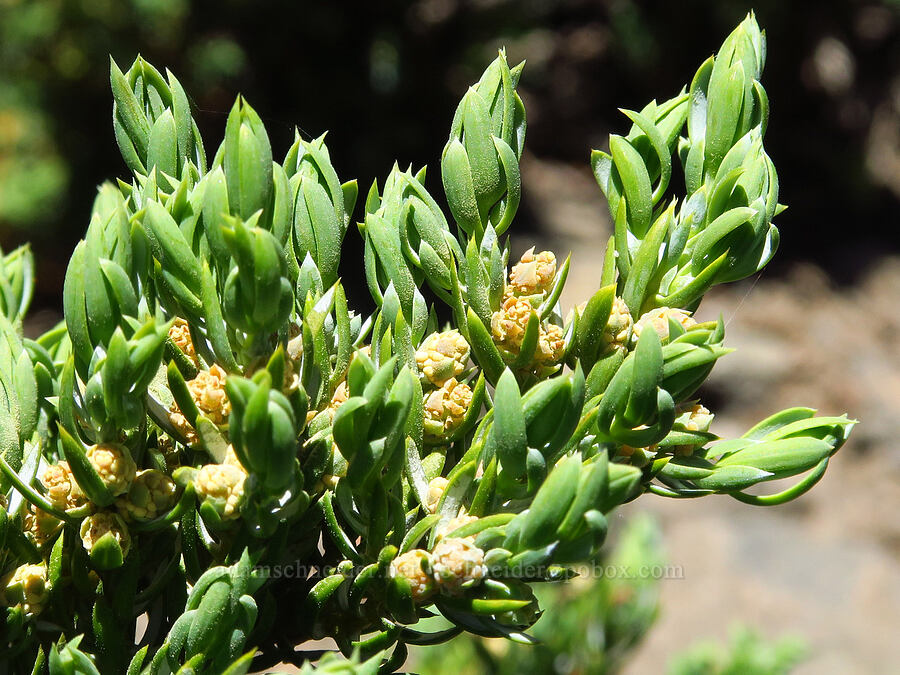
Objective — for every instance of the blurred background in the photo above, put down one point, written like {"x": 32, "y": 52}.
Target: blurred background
{"x": 819, "y": 326}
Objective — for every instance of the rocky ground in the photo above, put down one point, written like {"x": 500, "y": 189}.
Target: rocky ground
{"x": 826, "y": 567}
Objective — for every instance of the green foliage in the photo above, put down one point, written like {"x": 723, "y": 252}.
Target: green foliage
{"x": 48, "y": 48}
{"x": 746, "y": 654}
{"x": 215, "y": 439}
{"x": 590, "y": 624}
{"x": 593, "y": 624}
